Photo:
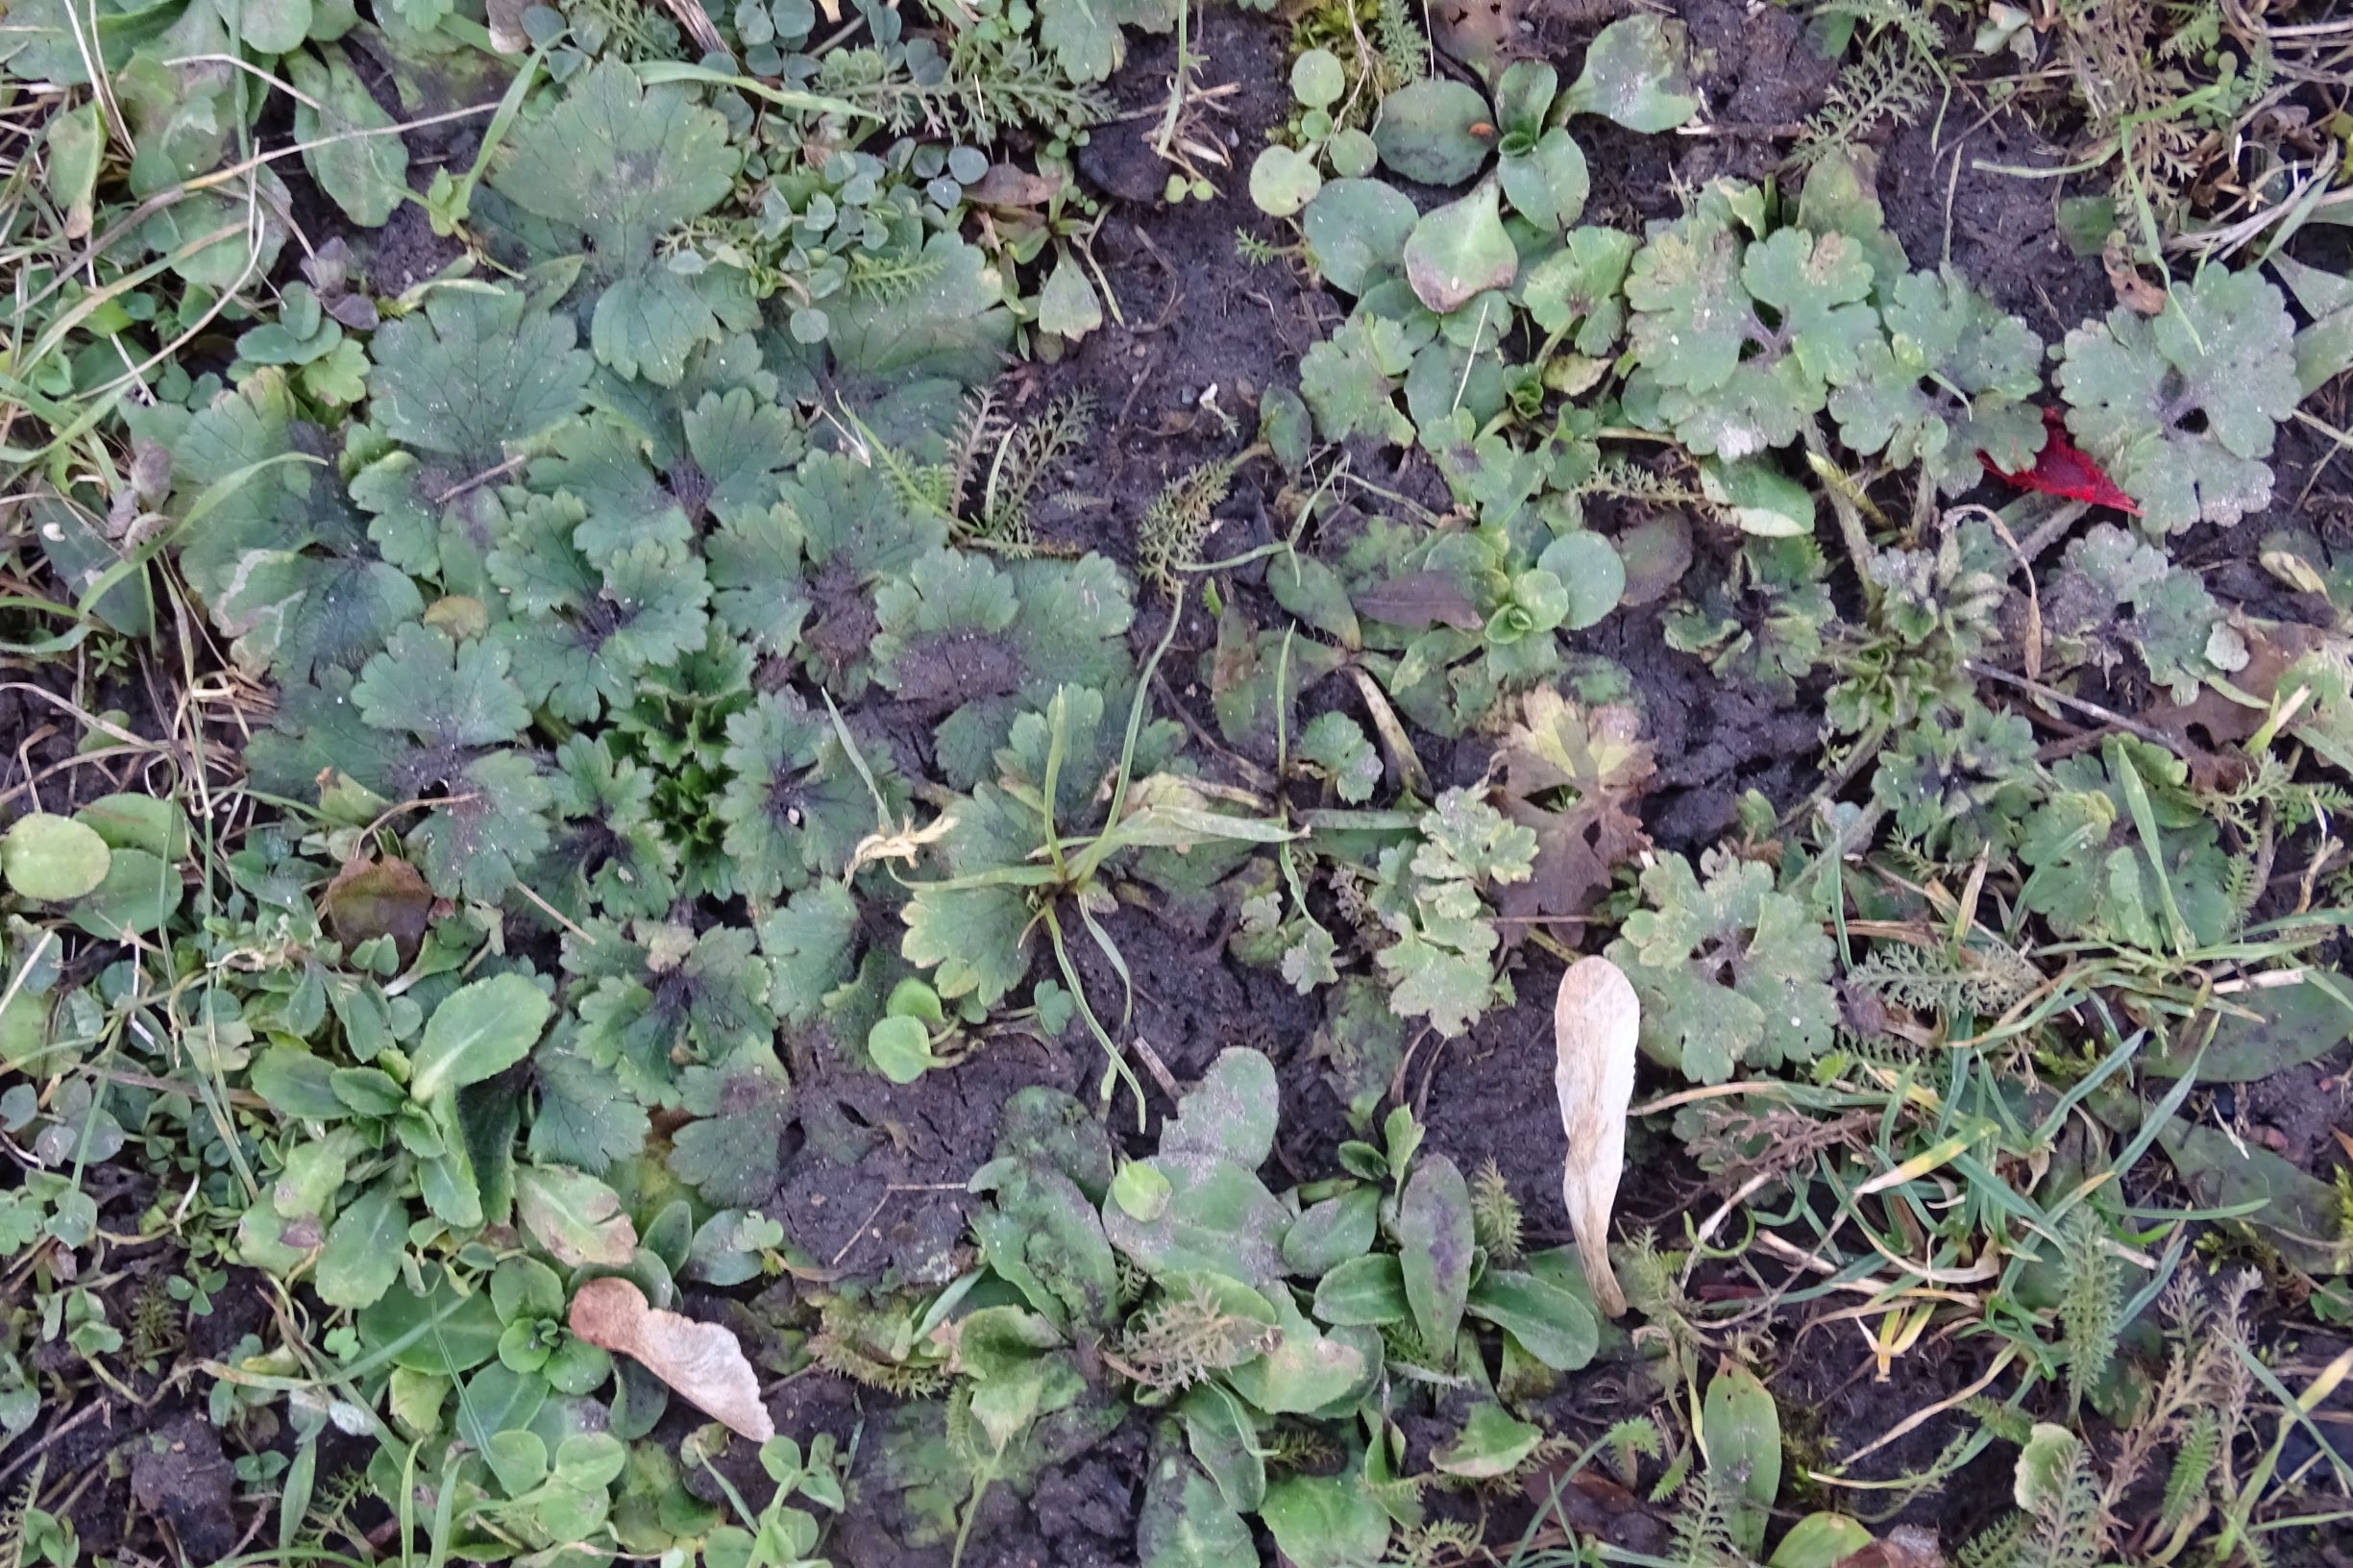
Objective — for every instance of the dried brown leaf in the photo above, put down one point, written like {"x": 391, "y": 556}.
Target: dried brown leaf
{"x": 703, "y": 1362}
{"x": 377, "y": 898}
{"x": 1908, "y": 1546}
{"x": 1572, "y": 776}
{"x": 1595, "y": 1020}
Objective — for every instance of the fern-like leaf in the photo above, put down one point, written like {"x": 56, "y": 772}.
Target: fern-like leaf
{"x": 2092, "y": 1306}
{"x": 2185, "y": 1488}
{"x": 1495, "y": 1215}
{"x": 1889, "y": 83}
{"x": 1177, "y": 524}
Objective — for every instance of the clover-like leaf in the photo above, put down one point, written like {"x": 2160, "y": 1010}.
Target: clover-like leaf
{"x": 1731, "y": 972}
{"x": 581, "y": 1115}
{"x": 1957, "y": 787}
{"x": 1334, "y": 744}
{"x": 1084, "y": 35}
{"x": 1431, "y": 896}
{"x": 803, "y": 572}
{"x": 2117, "y": 591}
{"x": 607, "y": 846}
{"x": 1580, "y": 285}
{"x": 1951, "y": 379}
{"x": 2090, "y": 874}
{"x": 2180, "y": 407}
{"x": 1765, "y": 620}
{"x": 586, "y": 634}
{"x": 731, "y": 1151}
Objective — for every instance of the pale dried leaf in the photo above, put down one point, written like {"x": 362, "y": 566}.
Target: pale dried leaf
{"x": 1908, "y": 1546}
{"x": 703, "y": 1362}
{"x": 1595, "y": 1020}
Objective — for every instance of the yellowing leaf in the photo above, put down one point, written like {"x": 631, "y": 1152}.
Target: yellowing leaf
{"x": 703, "y": 1362}
{"x": 1596, "y": 1019}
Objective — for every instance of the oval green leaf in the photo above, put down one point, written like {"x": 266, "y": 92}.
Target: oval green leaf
{"x": 1459, "y": 251}
{"x": 53, "y": 858}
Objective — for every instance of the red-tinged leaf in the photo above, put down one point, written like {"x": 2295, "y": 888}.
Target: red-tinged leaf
{"x": 2063, "y": 469}
{"x": 1418, "y": 602}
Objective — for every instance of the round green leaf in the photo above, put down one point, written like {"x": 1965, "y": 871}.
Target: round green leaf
{"x": 1636, "y": 73}
{"x": 1434, "y": 131}
{"x": 1355, "y": 232}
{"x": 900, "y": 1047}
{"x": 1547, "y": 185}
{"x": 1141, "y": 1190}
{"x": 138, "y": 893}
{"x": 138, "y": 821}
{"x": 1283, "y": 181}
{"x": 1589, "y": 569}
{"x": 1318, "y": 79}
{"x": 912, "y": 998}
{"x": 53, "y": 858}
{"x": 1353, "y": 153}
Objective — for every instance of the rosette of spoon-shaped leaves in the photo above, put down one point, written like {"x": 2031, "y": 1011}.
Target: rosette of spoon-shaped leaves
{"x": 798, "y": 578}
{"x": 1740, "y": 339}
{"x": 1951, "y": 379}
{"x": 461, "y": 389}
{"x": 282, "y": 560}
{"x": 432, "y": 721}
{"x": 966, "y": 643}
{"x": 2180, "y": 407}
{"x": 609, "y": 171}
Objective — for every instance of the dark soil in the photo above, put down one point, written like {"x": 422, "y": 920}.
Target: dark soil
{"x": 872, "y": 1184}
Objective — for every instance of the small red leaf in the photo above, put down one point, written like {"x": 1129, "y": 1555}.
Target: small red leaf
{"x": 2063, "y": 469}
